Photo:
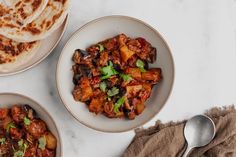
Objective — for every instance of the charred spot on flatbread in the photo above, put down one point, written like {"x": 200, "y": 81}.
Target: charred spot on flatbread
{"x": 10, "y": 50}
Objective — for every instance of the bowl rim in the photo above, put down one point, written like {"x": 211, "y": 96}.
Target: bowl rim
{"x": 44, "y": 110}
{"x": 65, "y": 22}
{"x": 90, "y": 23}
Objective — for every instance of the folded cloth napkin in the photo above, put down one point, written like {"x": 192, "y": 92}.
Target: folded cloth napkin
{"x": 167, "y": 140}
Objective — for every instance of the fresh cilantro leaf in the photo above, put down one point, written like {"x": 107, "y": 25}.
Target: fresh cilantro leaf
{"x": 10, "y": 125}
{"x": 110, "y": 63}
{"x": 101, "y": 47}
{"x": 108, "y": 71}
{"x": 19, "y": 153}
{"x": 103, "y": 86}
{"x": 22, "y": 146}
{"x": 140, "y": 65}
{"x": 2, "y": 141}
{"x": 105, "y": 77}
{"x": 118, "y": 104}
{"x": 21, "y": 143}
{"x": 42, "y": 143}
{"x": 25, "y": 146}
{"x": 125, "y": 77}
{"x": 112, "y": 92}
{"x": 27, "y": 121}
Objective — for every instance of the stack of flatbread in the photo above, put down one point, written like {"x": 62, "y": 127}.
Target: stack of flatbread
{"x": 23, "y": 23}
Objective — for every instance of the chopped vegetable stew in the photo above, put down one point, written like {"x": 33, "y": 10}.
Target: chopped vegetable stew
{"x": 113, "y": 76}
{"x": 24, "y": 134}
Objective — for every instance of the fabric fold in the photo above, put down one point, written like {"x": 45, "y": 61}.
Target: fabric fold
{"x": 167, "y": 140}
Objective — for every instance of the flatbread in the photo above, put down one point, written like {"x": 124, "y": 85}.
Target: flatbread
{"x": 25, "y": 11}
{"x": 11, "y": 51}
{"x": 47, "y": 22}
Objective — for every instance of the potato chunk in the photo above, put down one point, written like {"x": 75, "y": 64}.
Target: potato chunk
{"x": 51, "y": 141}
{"x": 139, "y": 108}
{"x": 132, "y": 90}
{"x": 134, "y": 73}
{"x": 153, "y": 75}
{"x": 96, "y": 105}
{"x": 84, "y": 91}
{"x": 126, "y": 53}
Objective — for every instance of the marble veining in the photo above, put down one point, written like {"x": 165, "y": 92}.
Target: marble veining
{"x": 202, "y": 37}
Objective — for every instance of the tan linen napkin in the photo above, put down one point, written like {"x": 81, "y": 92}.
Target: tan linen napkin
{"x": 167, "y": 140}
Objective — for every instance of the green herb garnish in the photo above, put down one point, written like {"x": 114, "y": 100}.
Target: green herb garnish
{"x": 26, "y": 121}
{"x": 2, "y": 141}
{"x": 108, "y": 71}
{"x": 10, "y": 125}
{"x": 103, "y": 86}
{"x": 19, "y": 153}
{"x": 101, "y": 47}
{"x": 42, "y": 143}
{"x": 118, "y": 104}
{"x": 23, "y": 146}
{"x": 125, "y": 77}
{"x": 112, "y": 92}
{"x": 140, "y": 65}
{"x": 21, "y": 143}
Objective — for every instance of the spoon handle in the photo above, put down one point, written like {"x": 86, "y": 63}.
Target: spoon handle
{"x": 187, "y": 151}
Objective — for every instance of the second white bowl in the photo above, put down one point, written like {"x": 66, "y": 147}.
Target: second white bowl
{"x": 98, "y": 30}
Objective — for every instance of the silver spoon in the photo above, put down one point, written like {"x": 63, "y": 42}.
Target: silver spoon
{"x": 199, "y": 131}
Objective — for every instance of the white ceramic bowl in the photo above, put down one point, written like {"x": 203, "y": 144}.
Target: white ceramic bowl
{"x": 99, "y": 30}
{"x": 9, "y": 99}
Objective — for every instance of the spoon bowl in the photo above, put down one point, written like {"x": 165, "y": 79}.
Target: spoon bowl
{"x": 199, "y": 131}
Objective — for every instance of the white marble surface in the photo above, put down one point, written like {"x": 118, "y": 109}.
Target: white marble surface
{"x": 202, "y": 36}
